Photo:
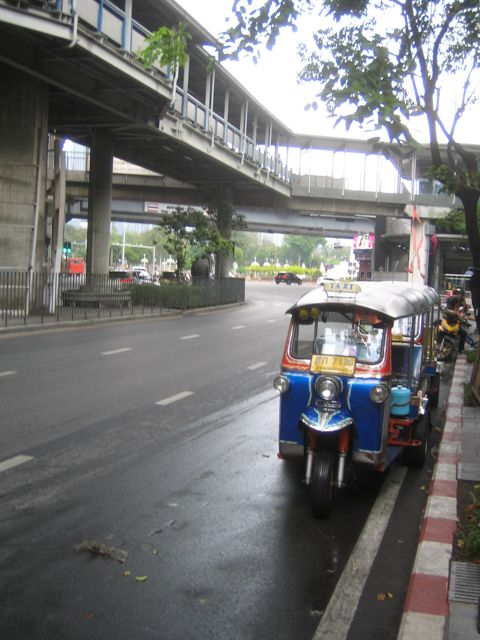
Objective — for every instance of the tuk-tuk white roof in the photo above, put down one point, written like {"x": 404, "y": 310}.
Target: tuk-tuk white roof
{"x": 388, "y": 298}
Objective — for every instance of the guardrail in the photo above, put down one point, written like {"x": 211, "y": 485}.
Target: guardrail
{"x": 42, "y": 298}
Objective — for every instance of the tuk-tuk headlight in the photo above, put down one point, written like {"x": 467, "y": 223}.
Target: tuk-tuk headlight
{"x": 379, "y": 393}
{"x": 281, "y": 384}
{"x": 328, "y": 388}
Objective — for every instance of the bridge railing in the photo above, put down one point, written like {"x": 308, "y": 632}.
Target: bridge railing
{"x": 106, "y": 19}
{"x": 45, "y": 298}
{"x": 109, "y": 21}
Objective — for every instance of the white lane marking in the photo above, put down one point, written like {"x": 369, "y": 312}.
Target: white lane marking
{"x": 257, "y": 365}
{"x": 238, "y": 326}
{"x": 110, "y": 353}
{"x": 7, "y": 373}
{"x": 339, "y": 614}
{"x": 194, "y": 335}
{"x": 178, "y": 396}
{"x": 14, "y": 462}
{"x": 270, "y": 321}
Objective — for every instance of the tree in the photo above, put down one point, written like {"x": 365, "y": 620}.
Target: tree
{"x": 383, "y": 63}
{"x": 299, "y": 249}
{"x": 224, "y": 219}
{"x": 168, "y": 47}
{"x": 453, "y": 222}
{"x": 194, "y": 231}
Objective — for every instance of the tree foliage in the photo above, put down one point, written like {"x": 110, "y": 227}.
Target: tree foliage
{"x": 192, "y": 232}
{"x": 166, "y": 46}
{"x": 301, "y": 248}
{"x": 385, "y": 64}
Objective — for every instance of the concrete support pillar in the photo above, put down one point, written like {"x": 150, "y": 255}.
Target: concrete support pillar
{"x": 419, "y": 247}
{"x": 99, "y": 204}
{"x": 378, "y": 247}
{"x": 58, "y": 222}
{"x": 224, "y": 208}
{"x": 23, "y": 162}
{"x": 437, "y": 269}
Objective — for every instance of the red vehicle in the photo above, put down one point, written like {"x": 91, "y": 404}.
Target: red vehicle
{"x": 73, "y": 266}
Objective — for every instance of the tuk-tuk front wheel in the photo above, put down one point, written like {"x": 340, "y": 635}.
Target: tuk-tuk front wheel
{"x": 322, "y": 486}
{"x": 415, "y": 456}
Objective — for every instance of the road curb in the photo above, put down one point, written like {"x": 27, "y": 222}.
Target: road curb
{"x": 426, "y": 604}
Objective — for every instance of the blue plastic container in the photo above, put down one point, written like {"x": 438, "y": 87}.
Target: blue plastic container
{"x": 400, "y": 402}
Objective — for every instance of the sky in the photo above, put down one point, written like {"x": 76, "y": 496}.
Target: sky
{"x": 274, "y": 79}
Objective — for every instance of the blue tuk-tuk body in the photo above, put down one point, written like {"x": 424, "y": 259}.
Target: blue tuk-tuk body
{"x": 355, "y": 380}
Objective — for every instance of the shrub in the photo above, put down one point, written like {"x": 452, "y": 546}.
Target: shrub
{"x": 469, "y": 534}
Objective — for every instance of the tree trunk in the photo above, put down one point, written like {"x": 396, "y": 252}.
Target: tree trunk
{"x": 225, "y": 212}
{"x": 470, "y": 198}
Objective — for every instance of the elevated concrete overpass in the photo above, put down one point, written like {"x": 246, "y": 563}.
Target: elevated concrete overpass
{"x": 71, "y": 70}
{"x": 262, "y": 220}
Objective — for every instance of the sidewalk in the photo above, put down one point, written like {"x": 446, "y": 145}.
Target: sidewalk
{"x": 442, "y": 598}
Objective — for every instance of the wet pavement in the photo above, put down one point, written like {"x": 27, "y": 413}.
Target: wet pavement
{"x": 443, "y": 594}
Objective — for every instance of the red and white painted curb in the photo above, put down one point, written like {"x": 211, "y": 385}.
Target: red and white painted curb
{"x": 426, "y": 605}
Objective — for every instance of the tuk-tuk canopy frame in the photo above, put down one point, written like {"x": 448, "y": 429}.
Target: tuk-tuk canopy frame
{"x": 390, "y": 299}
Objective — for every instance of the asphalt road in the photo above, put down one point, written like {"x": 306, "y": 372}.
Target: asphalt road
{"x": 157, "y": 438}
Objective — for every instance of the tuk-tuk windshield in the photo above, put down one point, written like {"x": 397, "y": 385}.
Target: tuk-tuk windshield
{"x": 355, "y": 334}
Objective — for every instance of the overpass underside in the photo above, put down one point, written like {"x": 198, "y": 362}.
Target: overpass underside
{"x": 75, "y": 74}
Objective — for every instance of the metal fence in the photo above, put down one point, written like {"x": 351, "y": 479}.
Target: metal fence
{"x": 32, "y": 298}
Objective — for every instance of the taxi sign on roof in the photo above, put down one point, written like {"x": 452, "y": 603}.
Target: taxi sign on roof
{"x": 342, "y": 287}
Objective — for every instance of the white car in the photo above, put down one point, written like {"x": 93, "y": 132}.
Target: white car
{"x": 321, "y": 281}
{"x": 141, "y": 274}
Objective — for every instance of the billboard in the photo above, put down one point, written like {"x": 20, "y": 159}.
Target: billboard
{"x": 363, "y": 241}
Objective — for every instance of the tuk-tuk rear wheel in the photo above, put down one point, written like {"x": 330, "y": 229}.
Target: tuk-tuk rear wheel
{"x": 415, "y": 456}
{"x": 322, "y": 486}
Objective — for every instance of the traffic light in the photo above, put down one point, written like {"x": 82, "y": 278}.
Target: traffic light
{"x": 67, "y": 249}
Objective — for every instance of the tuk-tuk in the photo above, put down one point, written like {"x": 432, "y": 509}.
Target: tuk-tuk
{"x": 358, "y": 376}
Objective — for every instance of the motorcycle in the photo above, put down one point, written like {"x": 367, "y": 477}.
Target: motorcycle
{"x": 447, "y": 335}
{"x": 451, "y": 325}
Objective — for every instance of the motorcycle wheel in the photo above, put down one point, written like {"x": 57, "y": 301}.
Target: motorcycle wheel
{"x": 446, "y": 349}
{"x": 322, "y": 487}
{"x": 415, "y": 457}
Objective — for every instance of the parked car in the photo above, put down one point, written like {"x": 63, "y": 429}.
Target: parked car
{"x": 141, "y": 275}
{"x": 288, "y": 277}
{"x": 130, "y": 276}
{"x": 322, "y": 280}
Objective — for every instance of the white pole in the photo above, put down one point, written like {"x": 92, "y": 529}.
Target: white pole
{"x": 128, "y": 25}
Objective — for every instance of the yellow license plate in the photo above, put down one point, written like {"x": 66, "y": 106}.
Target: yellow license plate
{"x": 344, "y": 365}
